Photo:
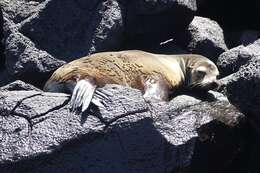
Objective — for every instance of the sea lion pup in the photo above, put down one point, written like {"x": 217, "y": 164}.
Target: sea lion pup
{"x": 156, "y": 75}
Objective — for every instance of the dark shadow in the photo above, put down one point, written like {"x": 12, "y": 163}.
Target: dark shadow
{"x": 93, "y": 110}
{"x": 122, "y": 148}
{"x": 222, "y": 149}
{"x": 198, "y": 94}
{"x": 232, "y": 15}
{"x": 2, "y": 55}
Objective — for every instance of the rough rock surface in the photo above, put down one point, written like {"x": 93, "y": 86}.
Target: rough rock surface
{"x": 230, "y": 61}
{"x": 243, "y": 91}
{"x": 40, "y": 134}
{"x": 40, "y": 39}
{"x": 41, "y": 35}
{"x": 18, "y": 85}
{"x": 243, "y": 88}
{"x": 205, "y": 37}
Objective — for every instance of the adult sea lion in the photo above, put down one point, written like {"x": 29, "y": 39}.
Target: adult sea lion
{"x": 156, "y": 75}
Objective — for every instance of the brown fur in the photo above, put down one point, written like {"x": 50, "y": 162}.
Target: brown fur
{"x": 128, "y": 68}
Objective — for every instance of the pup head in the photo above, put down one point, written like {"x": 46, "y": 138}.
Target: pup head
{"x": 203, "y": 75}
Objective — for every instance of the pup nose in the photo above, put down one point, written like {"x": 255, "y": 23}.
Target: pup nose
{"x": 215, "y": 85}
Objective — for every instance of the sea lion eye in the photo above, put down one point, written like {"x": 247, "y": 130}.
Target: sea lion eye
{"x": 201, "y": 72}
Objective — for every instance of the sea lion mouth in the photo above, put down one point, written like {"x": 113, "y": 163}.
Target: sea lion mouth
{"x": 214, "y": 85}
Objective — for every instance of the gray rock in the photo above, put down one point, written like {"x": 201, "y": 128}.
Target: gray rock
{"x": 17, "y": 11}
{"x": 41, "y": 35}
{"x": 38, "y": 133}
{"x": 18, "y": 85}
{"x": 230, "y": 61}
{"x": 205, "y": 37}
{"x": 58, "y": 30}
{"x": 26, "y": 62}
{"x": 243, "y": 89}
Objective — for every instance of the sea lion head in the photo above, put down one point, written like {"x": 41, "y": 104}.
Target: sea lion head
{"x": 202, "y": 75}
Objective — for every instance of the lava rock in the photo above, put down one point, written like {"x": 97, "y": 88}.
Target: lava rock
{"x": 19, "y": 85}
{"x": 243, "y": 89}
{"x": 26, "y": 62}
{"x": 205, "y": 37}
{"x": 58, "y": 28}
{"x": 40, "y": 134}
{"x": 17, "y": 11}
{"x": 230, "y": 61}
{"x": 41, "y": 39}
{"x": 40, "y": 36}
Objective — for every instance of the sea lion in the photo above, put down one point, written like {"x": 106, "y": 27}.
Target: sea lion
{"x": 156, "y": 75}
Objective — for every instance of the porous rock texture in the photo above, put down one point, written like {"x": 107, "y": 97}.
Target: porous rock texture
{"x": 41, "y": 35}
{"x": 40, "y": 134}
{"x": 192, "y": 133}
{"x": 205, "y": 37}
{"x": 243, "y": 89}
{"x": 241, "y": 66}
{"x": 230, "y": 61}
{"x": 18, "y": 85}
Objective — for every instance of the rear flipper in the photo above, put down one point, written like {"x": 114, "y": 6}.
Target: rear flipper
{"x": 83, "y": 95}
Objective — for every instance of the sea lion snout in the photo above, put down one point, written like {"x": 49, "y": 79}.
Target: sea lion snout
{"x": 215, "y": 85}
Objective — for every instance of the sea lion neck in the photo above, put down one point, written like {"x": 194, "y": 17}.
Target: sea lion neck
{"x": 187, "y": 62}
{"x": 176, "y": 72}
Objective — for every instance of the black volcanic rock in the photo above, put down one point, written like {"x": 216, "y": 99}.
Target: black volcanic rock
{"x": 205, "y": 37}
{"x": 40, "y": 36}
{"x": 40, "y": 134}
{"x": 243, "y": 88}
{"x": 18, "y": 85}
{"x": 41, "y": 39}
{"x": 230, "y": 61}
{"x": 199, "y": 132}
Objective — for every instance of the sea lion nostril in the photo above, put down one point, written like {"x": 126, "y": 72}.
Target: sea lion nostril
{"x": 215, "y": 85}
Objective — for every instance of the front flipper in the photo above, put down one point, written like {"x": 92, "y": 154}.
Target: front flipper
{"x": 82, "y": 94}
{"x": 156, "y": 88}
